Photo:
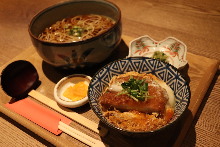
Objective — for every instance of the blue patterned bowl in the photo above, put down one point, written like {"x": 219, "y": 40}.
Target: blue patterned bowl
{"x": 165, "y": 72}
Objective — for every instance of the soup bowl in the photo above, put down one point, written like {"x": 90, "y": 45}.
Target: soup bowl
{"x": 166, "y": 72}
{"x": 80, "y": 53}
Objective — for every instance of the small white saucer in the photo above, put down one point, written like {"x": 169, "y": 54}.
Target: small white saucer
{"x": 63, "y": 84}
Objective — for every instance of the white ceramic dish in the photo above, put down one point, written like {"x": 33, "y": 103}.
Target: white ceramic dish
{"x": 63, "y": 84}
{"x": 145, "y": 46}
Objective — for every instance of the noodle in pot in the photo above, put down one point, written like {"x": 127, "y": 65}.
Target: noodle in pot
{"x": 77, "y": 28}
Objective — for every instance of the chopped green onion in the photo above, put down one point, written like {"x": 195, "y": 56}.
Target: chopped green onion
{"x": 136, "y": 89}
{"x": 76, "y": 31}
{"x": 160, "y": 56}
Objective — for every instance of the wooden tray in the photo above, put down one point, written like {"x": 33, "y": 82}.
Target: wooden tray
{"x": 200, "y": 73}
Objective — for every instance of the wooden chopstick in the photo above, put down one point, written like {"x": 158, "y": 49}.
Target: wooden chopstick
{"x": 67, "y": 112}
{"x": 80, "y": 136}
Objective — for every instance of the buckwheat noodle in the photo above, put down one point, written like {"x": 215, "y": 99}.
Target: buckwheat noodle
{"x": 77, "y": 28}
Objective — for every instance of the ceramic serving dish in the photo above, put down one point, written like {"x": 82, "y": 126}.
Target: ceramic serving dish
{"x": 81, "y": 53}
{"x": 174, "y": 49}
{"x": 65, "y": 83}
{"x": 163, "y": 71}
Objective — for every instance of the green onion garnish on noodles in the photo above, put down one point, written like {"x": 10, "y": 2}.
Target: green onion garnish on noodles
{"x": 76, "y": 31}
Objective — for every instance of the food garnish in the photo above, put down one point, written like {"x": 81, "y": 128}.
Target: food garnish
{"x": 136, "y": 89}
{"x": 160, "y": 56}
{"x": 76, "y": 31}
